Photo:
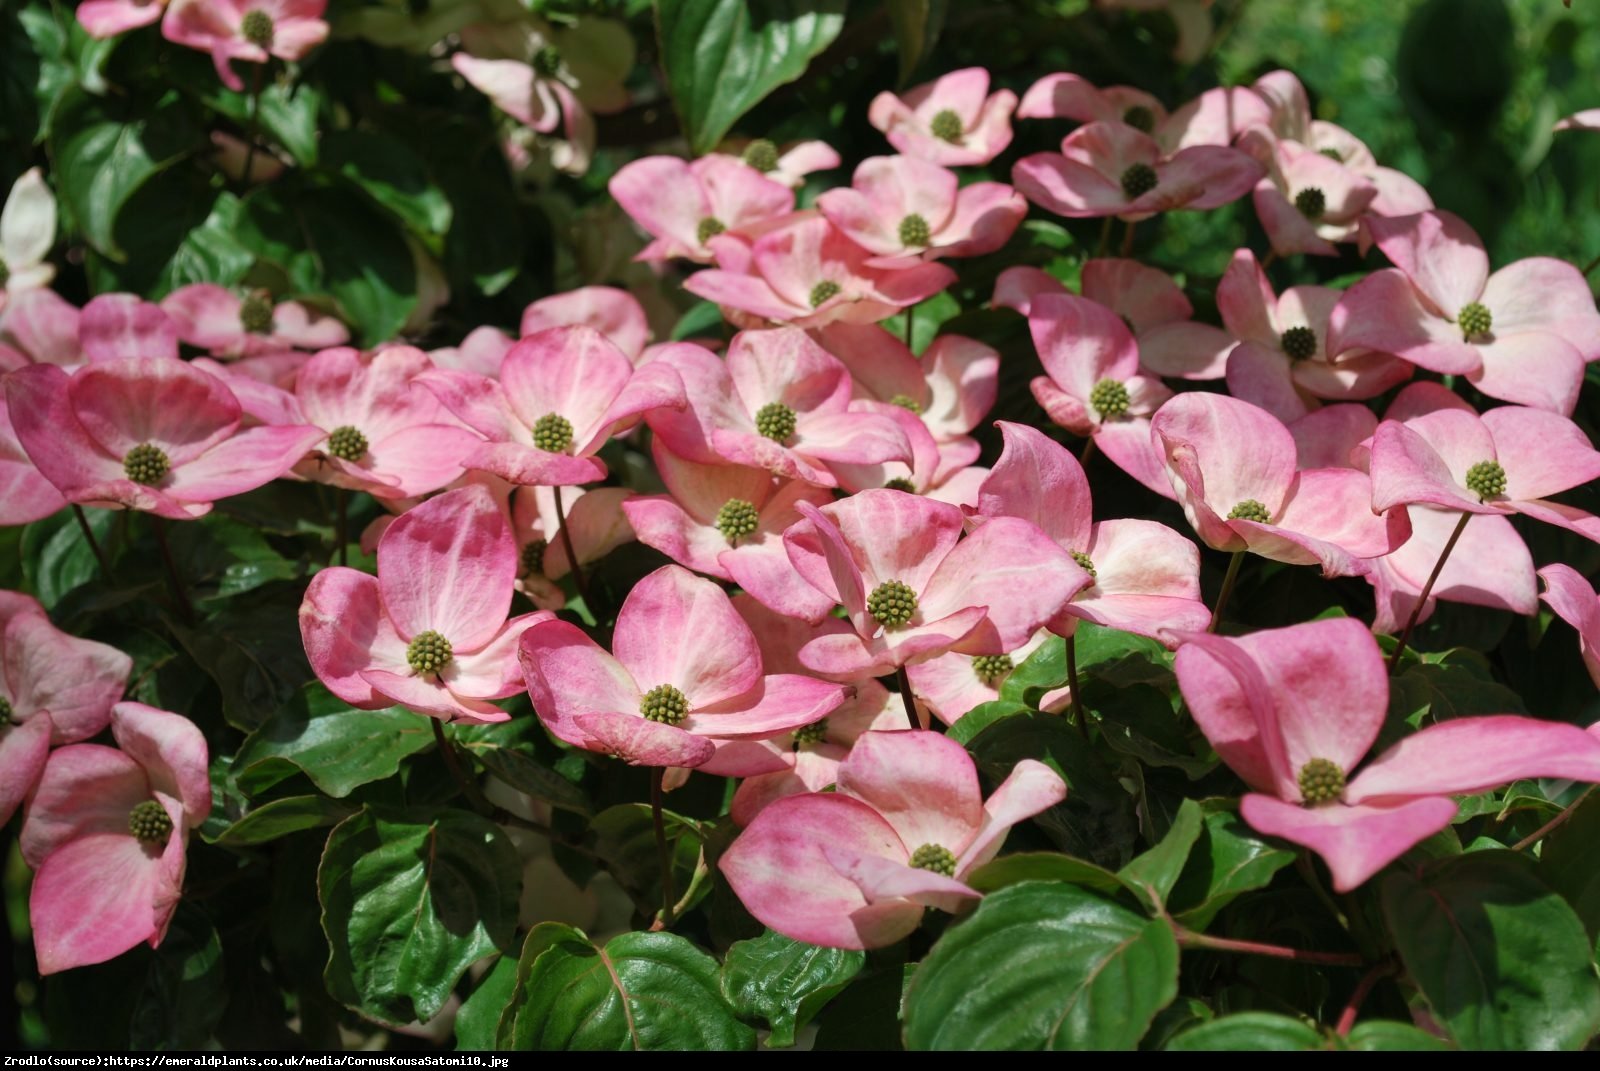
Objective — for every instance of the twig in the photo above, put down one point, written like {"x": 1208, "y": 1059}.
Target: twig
{"x": 94, "y": 544}
{"x": 1560, "y": 819}
{"x": 1189, "y": 939}
{"x": 452, "y": 762}
{"x": 913, "y": 715}
{"x": 1427, "y": 589}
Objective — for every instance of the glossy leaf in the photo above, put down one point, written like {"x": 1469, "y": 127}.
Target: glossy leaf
{"x": 279, "y": 818}
{"x": 782, "y": 982}
{"x": 916, "y": 30}
{"x": 1153, "y": 874}
{"x": 337, "y": 747}
{"x": 1227, "y": 861}
{"x": 1250, "y": 1032}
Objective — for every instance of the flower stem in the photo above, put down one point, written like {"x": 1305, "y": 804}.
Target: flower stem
{"x": 1086, "y": 453}
{"x": 255, "y": 121}
{"x": 1127, "y": 238}
{"x": 1427, "y": 589}
{"x": 669, "y": 896}
{"x": 572, "y": 557}
{"x": 1543, "y": 831}
{"x": 910, "y": 322}
{"x": 179, "y": 595}
{"x": 1228, "y": 581}
{"x": 913, "y": 715}
{"x": 1072, "y": 683}
{"x": 1270, "y": 259}
{"x": 452, "y": 762}
{"x": 94, "y": 544}
{"x": 1105, "y": 237}
{"x": 1591, "y": 266}
{"x": 1347, "y": 1018}
{"x": 341, "y": 525}
{"x": 1189, "y": 939}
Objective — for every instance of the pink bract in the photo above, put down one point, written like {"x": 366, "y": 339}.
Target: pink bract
{"x": 150, "y": 434}
{"x": 1307, "y": 201}
{"x": 856, "y": 868}
{"x": 561, "y": 394}
{"x": 614, "y": 313}
{"x": 1574, "y": 601}
{"x": 901, "y": 208}
{"x": 220, "y": 322}
{"x": 912, "y": 588}
{"x": 108, "y": 18}
{"x": 249, "y": 30}
{"x": 429, "y": 632}
{"x": 684, "y": 669}
{"x": 951, "y": 121}
{"x": 99, "y": 887}
{"x": 683, "y": 205}
{"x": 1294, "y": 710}
{"x": 1234, "y": 468}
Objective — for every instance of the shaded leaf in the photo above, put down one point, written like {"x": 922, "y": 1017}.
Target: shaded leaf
{"x": 783, "y": 982}
{"x": 338, "y": 747}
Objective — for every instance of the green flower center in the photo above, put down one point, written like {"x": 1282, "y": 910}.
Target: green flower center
{"x": 146, "y": 464}
{"x": 257, "y": 28}
{"x": 892, "y": 603}
{"x": 823, "y": 291}
{"x": 709, "y": 228}
{"x": 811, "y": 734}
{"x": 935, "y": 857}
{"x": 533, "y": 557}
{"x": 1138, "y": 180}
{"x": 1109, "y": 398}
{"x": 1085, "y": 563}
{"x": 776, "y": 421}
{"x": 1299, "y": 343}
{"x": 737, "y": 519}
{"x": 429, "y": 652}
{"x": 1486, "y": 479}
{"x": 6, "y": 709}
{"x": 552, "y": 433}
{"x": 914, "y": 230}
{"x": 1321, "y": 781}
{"x": 1474, "y": 320}
{"x": 547, "y": 61}
{"x": 1311, "y": 202}
{"x": 347, "y": 443}
{"x": 664, "y": 703}
{"x": 1140, "y": 118}
{"x": 255, "y": 311}
{"x": 901, "y": 483}
{"x": 1250, "y": 510}
{"x": 762, "y": 155}
{"x": 989, "y": 668}
{"x": 5, "y": 272}
{"x": 905, "y": 401}
{"x": 946, "y": 126}
{"x": 149, "y": 822}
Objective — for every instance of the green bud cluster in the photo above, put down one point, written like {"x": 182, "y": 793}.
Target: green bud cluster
{"x": 1109, "y": 398}
{"x": 814, "y": 733}
{"x": 776, "y": 421}
{"x": 1085, "y": 563}
{"x": 1321, "y": 781}
{"x": 900, "y": 483}
{"x": 1311, "y": 202}
{"x": 6, "y": 709}
{"x": 257, "y": 28}
{"x": 990, "y": 668}
{"x": 905, "y": 401}
{"x": 552, "y": 433}
{"x": 429, "y": 652}
{"x": 762, "y": 155}
{"x": 664, "y": 703}
{"x": 946, "y": 126}
{"x": 1299, "y": 343}
{"x": 255, "y": 310}
{"x": 347, "y": 443}
{"x": 1140, "y": 118}
{"x": 1250, "y": 510}
{"x": 547, "y": 61}
{"x": 1139, "y": 180}
{"x": 823, "y": 291}
{"x": 737, "y": 519}
{"x": 150, "y": 823}
{"x": 935, "y": 857}
{"x": 146, "y": 464}
{"x": 892, "y": 603}
{"x": 914, "y": 230}
{"x": 533, "y": 557}
{"x": 5, "y": 272}
{"x": 709, "y": 228}
{"x": 1486, "y": 479}
{"x": 1474, "y": 320}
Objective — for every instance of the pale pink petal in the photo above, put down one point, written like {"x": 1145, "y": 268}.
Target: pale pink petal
{"x": 1574, "y": 601}
{"x": 1220, "y": 452}
{"x": 429, "y": 696}
{"x": 247, "y": 460}
{"x": 1542, "y": 453}
{"x": 1015, "y": 288}
{"x": 492, "y": 671}
{"x": 615, "y": 313}
{"x": 1030, "y": 788}
{"x": 122, "y": 325}
{"x": 85, "y": 789}
{"x": 76, "y": 680}
{"x": 1015, "y": 570}
{"x": 1471, "y": 755}
{"x": 1407, "y": 468}
{"x": 108, "y": 18}
{"x": 99, "y": 896}
{"x": 1535, "y": 368}
{"x": 1384, "y": 312}
{"x": 47, "y": 428}
{"x": 679, "y": 629}
{"x": 1439, "y": 252}
{"x": 207, "y": 315}
{"x": 569, "y": 675}
{"x": 923, "y": 784}
{"x": 782, "y": 702}
{"x": 342, "y": 620}
{"x": 448, "y": 566}
{"x": 23, "y": 750}
{"x": 1335, "y": 505}
{"x": 1038, "y": 480}
{"x": 1544, "y": 294}
{"x": 1127, "y": 444}
{"x": 169, "y": 404}
{"x": 881, "y": 880}
{"x": 1081, "y": 342}
{"x": 1355, "y": 842}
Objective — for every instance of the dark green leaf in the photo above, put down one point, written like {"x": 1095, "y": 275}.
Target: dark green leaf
{"x": 984, "y": 715}
{"x": 338, "y": 747}
{"x": 1379, "y": 1035}
{"x": 1043, "y": 866}
{"x": 1138, "y": 720}
{"x": 184, "y": 993}
{"x": 410, "y": 900}
{"x": 1503, "y": 961}
{"x": 478, "y": 1021}
{"x": 916, "y": 29}
{"x": 279, "y": 818}
{"x": 1045, "y": 669}
{"x": 641, "y": 992}
{"x": 1043, "y": 966}
{"x": 1250, "y": 1032}
{"x": 527, "y": 774}
{"x": 1228, "y": 860}
{"x": 1568, "y": 863}
{"x": 252, "y": 649}
{"x": 1153, "y": 874}
{"x": 55, "y": 556}
{"x": 391, "y": 174}
{"x": 783, "y": 982}
{"x": 722, "y": 57}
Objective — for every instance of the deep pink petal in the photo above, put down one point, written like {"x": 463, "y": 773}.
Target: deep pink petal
{"x": 615, "y": 313}
{"x": 169, "y": 404}
{"x": 448, "y": 566}
{"x": 679, "y": 629}
{"x": 76, "y": 680}
{"x": 569, "y": 675}
{"x": 1220, "y": 452}
{"x": 782, "y": 702}
{"x": 1355, "y": 842}
{"x": 1471, "y": 755}
{"x": 1038, "y": 480}
{"x": 23, "y": 750}
{"x": 1030, "y": 788}
{"x": 85, "y": 789}
{"x": 99, "y": 896}
{"x": 923, "y": 784}
{"x": 122, "y": 325}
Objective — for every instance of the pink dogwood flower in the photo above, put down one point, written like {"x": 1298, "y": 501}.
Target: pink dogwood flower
{"x": 1111, "y": 169}
{"x": 1093, "y": 386}
{"x": 561, "y": 395}
{"x": 1435, "y": 449}
{"x": 1294, "y": 710}
{"x": 54, "y": 689}
{"x": 385, "y": 433}
{"x": 780, "y": 402}
{"x": 146, "y": 433}
{"x": 901, "y": 208}
{"x": 1489, "y": 566}
{"x": 809, "y": 273}
{"x": 41, "y": 327}
{"x": 931, "y": 471}
{"x": 683, "y": 204}
{"x": 787, "y": 165}
{"x": 856, "y": 868}
{"x": 727, "y": 521}
{"x": 249, "y": 30}
{"x": 912, "y": 588}
{"x": 225, "y": 325}
{"x": 106, "y": 833}
{"x": 108, "y": 18}
{"x": 1235, "y": 470}
{"x": 1143, "y": 576}
{"x": 1154, "y": 308}
{"x": 25, "y": 494}
{"x": 684, "y": 668}
{"x": 1307, "y": 201}
{"x": 429, "y": 632}
{"x": 114, "y": 326}
{"x": 1215, "y": 117}
{"x": 1281, "y": 362}
{"x": 951, "y": 685}
{"x": 1574, "y": 601}
{"x": 1521, "y": 334}
{"x": 614, "y": 313}
{"x": 951, "y": 121}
